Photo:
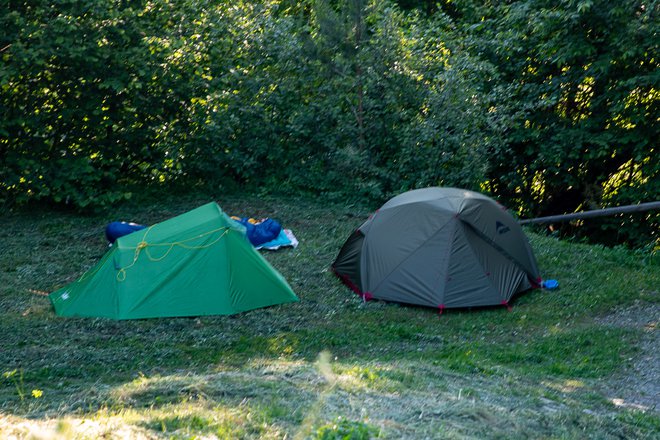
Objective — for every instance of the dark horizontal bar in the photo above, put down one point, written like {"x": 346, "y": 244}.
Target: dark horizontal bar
{"x": 595, "y": 213}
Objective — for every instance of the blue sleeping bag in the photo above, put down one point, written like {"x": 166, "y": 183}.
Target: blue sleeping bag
{"x": 262, "y": 232}
{"x": 115, "y": 230}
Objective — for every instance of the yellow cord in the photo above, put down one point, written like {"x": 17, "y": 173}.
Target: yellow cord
{"x": 143, "y": 244}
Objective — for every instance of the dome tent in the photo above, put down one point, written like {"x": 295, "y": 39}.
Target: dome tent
{"x": 439, "y": 247}
{"x": 198, "y": 263}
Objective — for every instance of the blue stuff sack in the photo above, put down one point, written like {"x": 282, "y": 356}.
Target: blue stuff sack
{"x": 550, "y": 284}
{"x": 115, "y": 230}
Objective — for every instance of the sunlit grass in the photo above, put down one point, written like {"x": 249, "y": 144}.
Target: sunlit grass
{"x": 327, "y": 365}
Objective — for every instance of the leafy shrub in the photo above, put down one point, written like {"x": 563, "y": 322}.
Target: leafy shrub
{"x": 344, "y": 429}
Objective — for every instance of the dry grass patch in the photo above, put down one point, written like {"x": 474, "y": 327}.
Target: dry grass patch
{"x": 387, "y": 371}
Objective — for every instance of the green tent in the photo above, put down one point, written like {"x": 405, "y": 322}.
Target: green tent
{"x": 199, "y": 263}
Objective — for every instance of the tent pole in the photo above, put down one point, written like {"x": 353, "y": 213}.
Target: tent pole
{"x": 595, "y": 213}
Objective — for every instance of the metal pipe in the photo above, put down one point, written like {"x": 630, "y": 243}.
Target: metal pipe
{"x": 595, "y": 213}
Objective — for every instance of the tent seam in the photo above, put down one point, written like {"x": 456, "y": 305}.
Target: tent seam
{"x": 447, "y": 257}
{"x": 498, "y": 249}
{"x": 412, "y": 253}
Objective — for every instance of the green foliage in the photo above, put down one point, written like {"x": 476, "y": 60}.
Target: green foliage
{"x": 551, "y": 106}
{"x": 338, "y": 99}
{"x": 87, "y": 94}
{"x": 16, "y": 377}
{"x": 575, "y": 99}
{"x": 344, "y": 429}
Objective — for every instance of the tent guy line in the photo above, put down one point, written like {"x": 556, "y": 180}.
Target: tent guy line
{"x": 121, "y": 274}
{"x": 210, "y": 276}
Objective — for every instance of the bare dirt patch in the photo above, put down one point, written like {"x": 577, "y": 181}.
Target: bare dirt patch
{"x": 638, "y": 386}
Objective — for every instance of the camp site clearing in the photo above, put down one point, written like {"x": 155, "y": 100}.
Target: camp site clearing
{"x": 577, "y": 362}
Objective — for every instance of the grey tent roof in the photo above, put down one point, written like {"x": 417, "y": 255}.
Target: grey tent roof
{"x": 439, "y": 247}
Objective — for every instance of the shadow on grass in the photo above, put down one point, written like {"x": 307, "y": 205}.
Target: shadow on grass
{"x": 404, "y": 369}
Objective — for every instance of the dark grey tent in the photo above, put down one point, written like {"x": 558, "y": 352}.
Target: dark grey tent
{"x": 439, "y": 247}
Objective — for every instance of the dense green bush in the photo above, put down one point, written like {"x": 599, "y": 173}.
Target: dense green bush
{"x": 343, "y": 99}
{"x": 89, "y": 100}
{"x": 575, "y": 99}
{"x": 552, "y": 107}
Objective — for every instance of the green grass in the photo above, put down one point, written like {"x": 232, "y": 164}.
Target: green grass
{"x": 388, "y": 371}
